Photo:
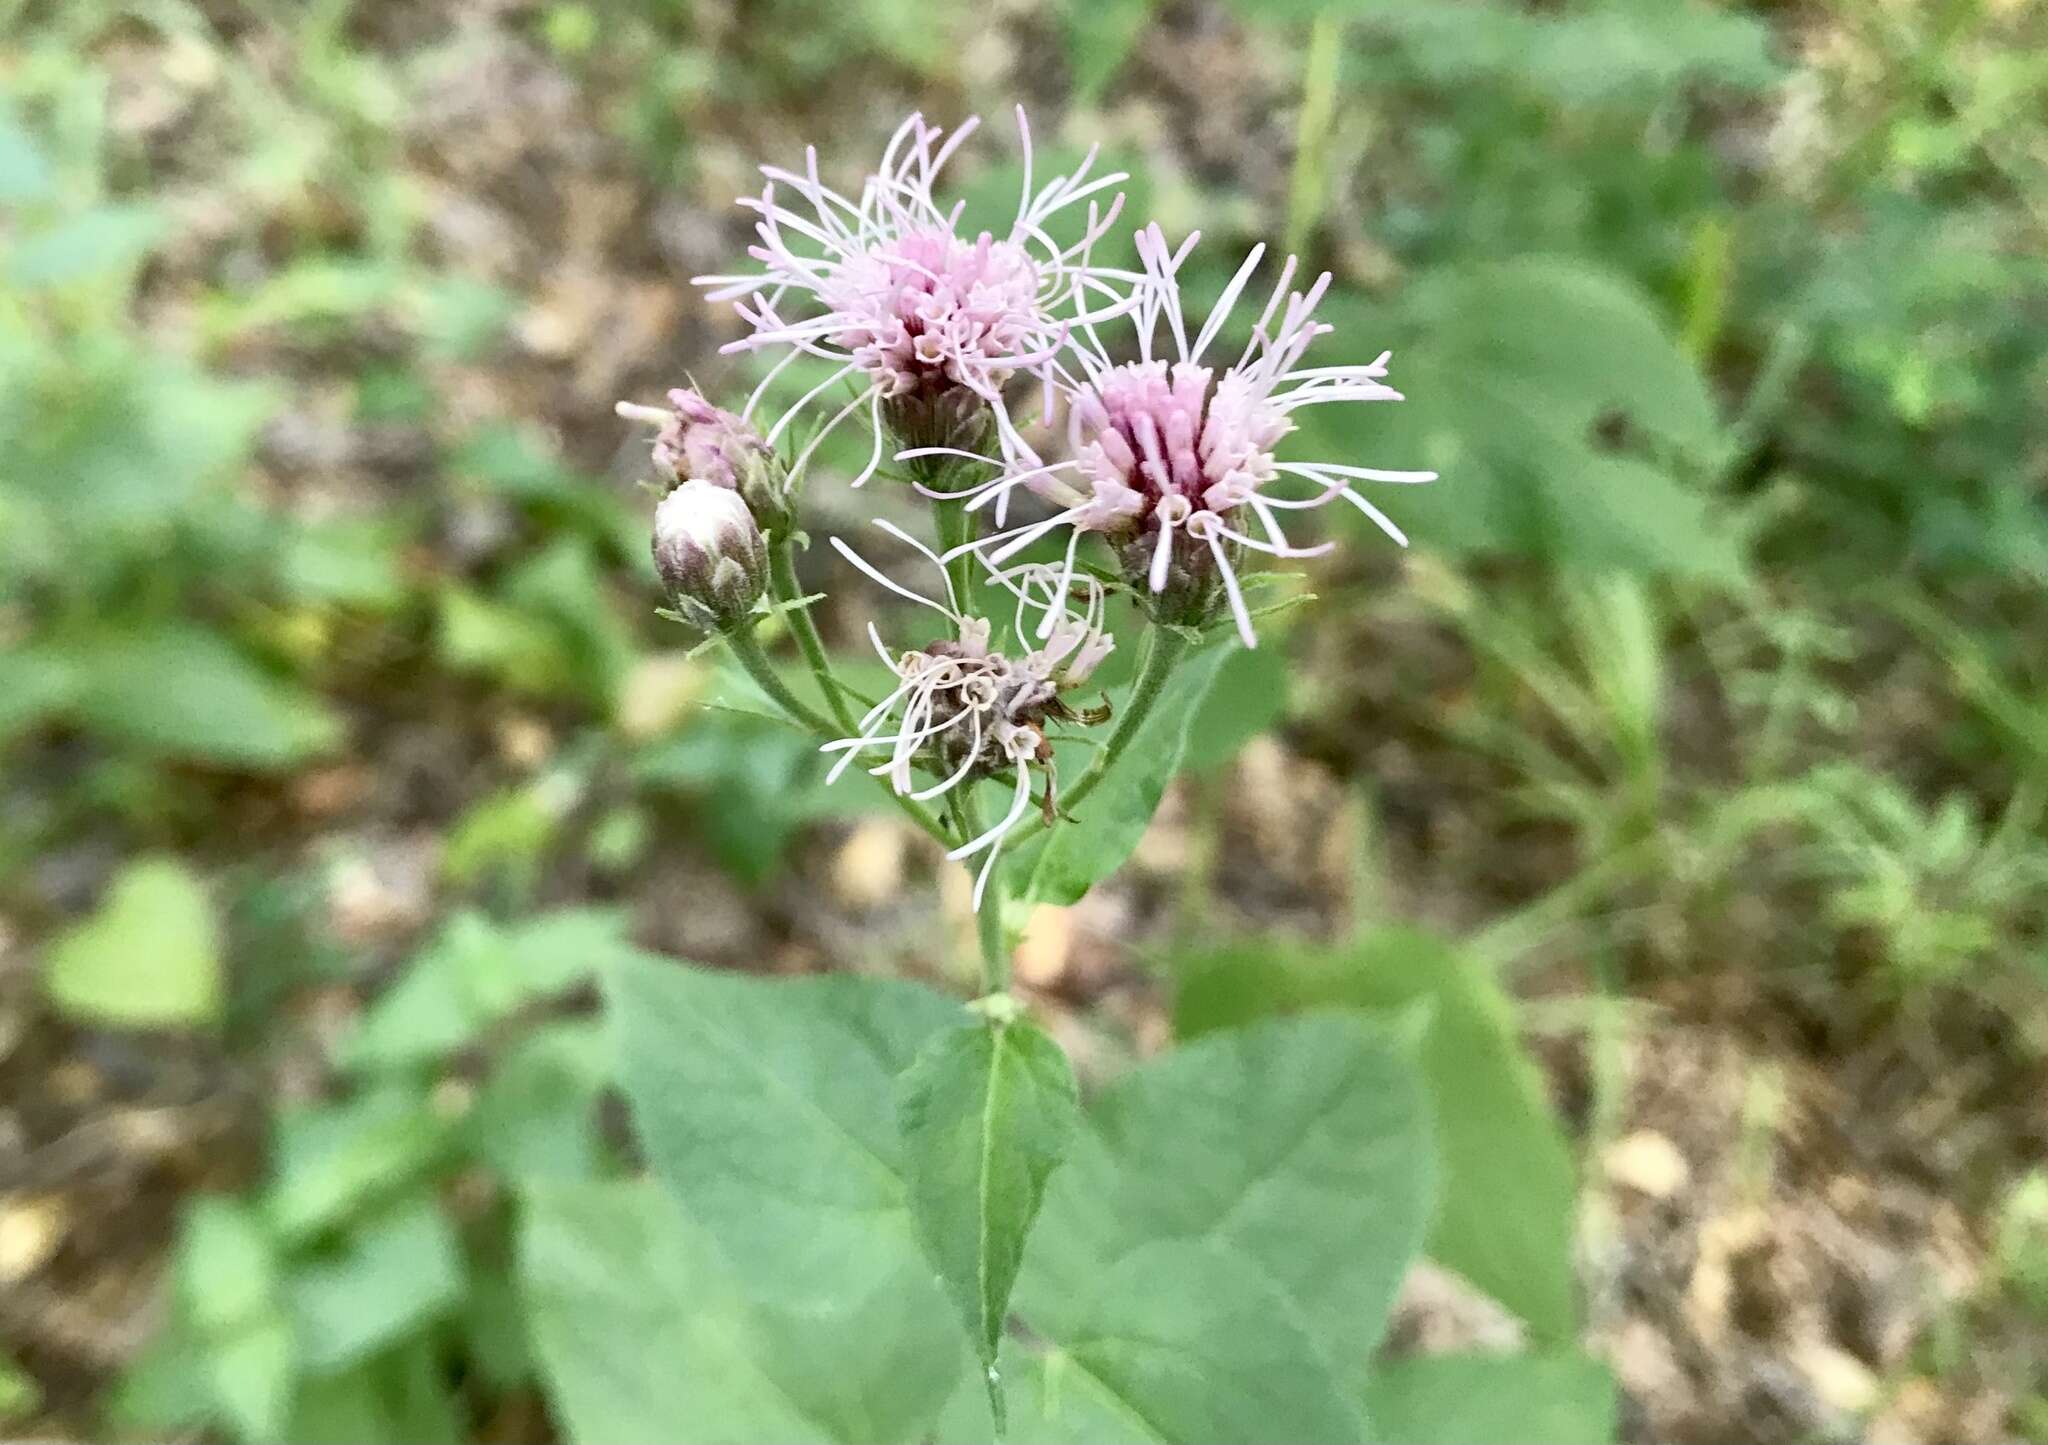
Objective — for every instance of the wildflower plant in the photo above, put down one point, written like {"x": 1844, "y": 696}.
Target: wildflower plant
{"x": 1171, "y": 459}
{"x": 1137, "y": 543}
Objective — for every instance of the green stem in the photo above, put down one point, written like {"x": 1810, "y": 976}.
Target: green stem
{"x": 747, "y": 648}
{"x": 1164, "y": 648}
{"x": 955, "y": 527}
{"x": 995, "y": 943}
{"x": 782, "y": 573}
{"x": 988, "y": 919}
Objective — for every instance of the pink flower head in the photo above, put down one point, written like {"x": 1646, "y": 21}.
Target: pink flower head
{"x": 963, "y": 710}
{"x": 697, "y": 440}
{"x": 1175, "y": 463}
{"x": 929, "y": 324}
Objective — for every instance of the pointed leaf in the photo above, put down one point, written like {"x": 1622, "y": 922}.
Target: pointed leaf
{"x": 186, "y": 692}
{"x": 227, "y": 1283}
{"x": 986, "y": 1113}
{"x": 390, "y": 1277}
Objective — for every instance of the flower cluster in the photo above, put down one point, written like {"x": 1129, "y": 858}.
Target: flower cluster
{"x": 1172, "y": 456}
{"x": 1175, "y": 463}
{"x": 930, "y": 323}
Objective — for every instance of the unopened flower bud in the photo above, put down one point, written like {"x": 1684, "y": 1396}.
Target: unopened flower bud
{"x": 700, "y": 440}
{"x": 1187, "y": 591}
{"x": 710, "y": 554}
{"x": 949, "y": 416}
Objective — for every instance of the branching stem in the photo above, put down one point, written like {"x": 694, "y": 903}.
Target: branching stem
{"x": 1164, "y": 649}
{"x": 747, "y": 648}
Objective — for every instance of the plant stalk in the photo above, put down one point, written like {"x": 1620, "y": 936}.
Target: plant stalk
{"x": 1164, "y": 648}
{"x": 988, "y": 919}
{"x": 782, "y": 575}
{"x": 747, "y": 648}
{"x": 995, "y": 942}
{"x": 955, "y": 526}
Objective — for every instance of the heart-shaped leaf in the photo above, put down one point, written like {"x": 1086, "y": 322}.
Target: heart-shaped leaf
{"x": 1213, "y": 1260}
{"x": 149, "y": 957}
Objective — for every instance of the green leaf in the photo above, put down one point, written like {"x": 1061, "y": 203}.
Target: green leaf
{"x": 1248, "y": 697}
{"x": 226, "y": 1264}
{"x": 1506, "y": 1217}
{"x": 251, "y": 1375}
{"x": 1559, "y": 1399}
{"x": 341, "y": 1409}
{"x": 1187, "y": 1342}
{"x": 766, "y": 1105}
{"x": 1573, "y": 56}
{"x": 35, "y": 684}
{"x": 107, "y": 238}
{"x": 1098, "y": 35}
{"x": 986, "y": 1112}
{"x": 187, "y": 692}
{"x": 19, "y": 1392}
{"x": 566, "y": 585}
{"x": 226, "y": 1274}
{"x": 458, "y": 318}
{"x": 1511, "y": 370}
{"x": 1255, "y": 1196}
{"x": 392, "y": 1276}
{"x": 165, "y": 1389}
{"x": 474, "y": 975}
{"x": 24, "y": 174}
{"x": 150, "y": 956}
{"x": 1302, "y": 1144}
{"x": 110, "y": 444}
{"x": 613, "y": 1281}
{"x": 603, "y": 1264}
{"x": 345, "y": 562}
{"x": 404, "y": 1395}
{"x": 537, "y": 1115}
{"x": 20, "y": 1395}
{"x": 1077, "y": 855}
{"x": 332, "y": 1160}
{"x": 473, "y": 633}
